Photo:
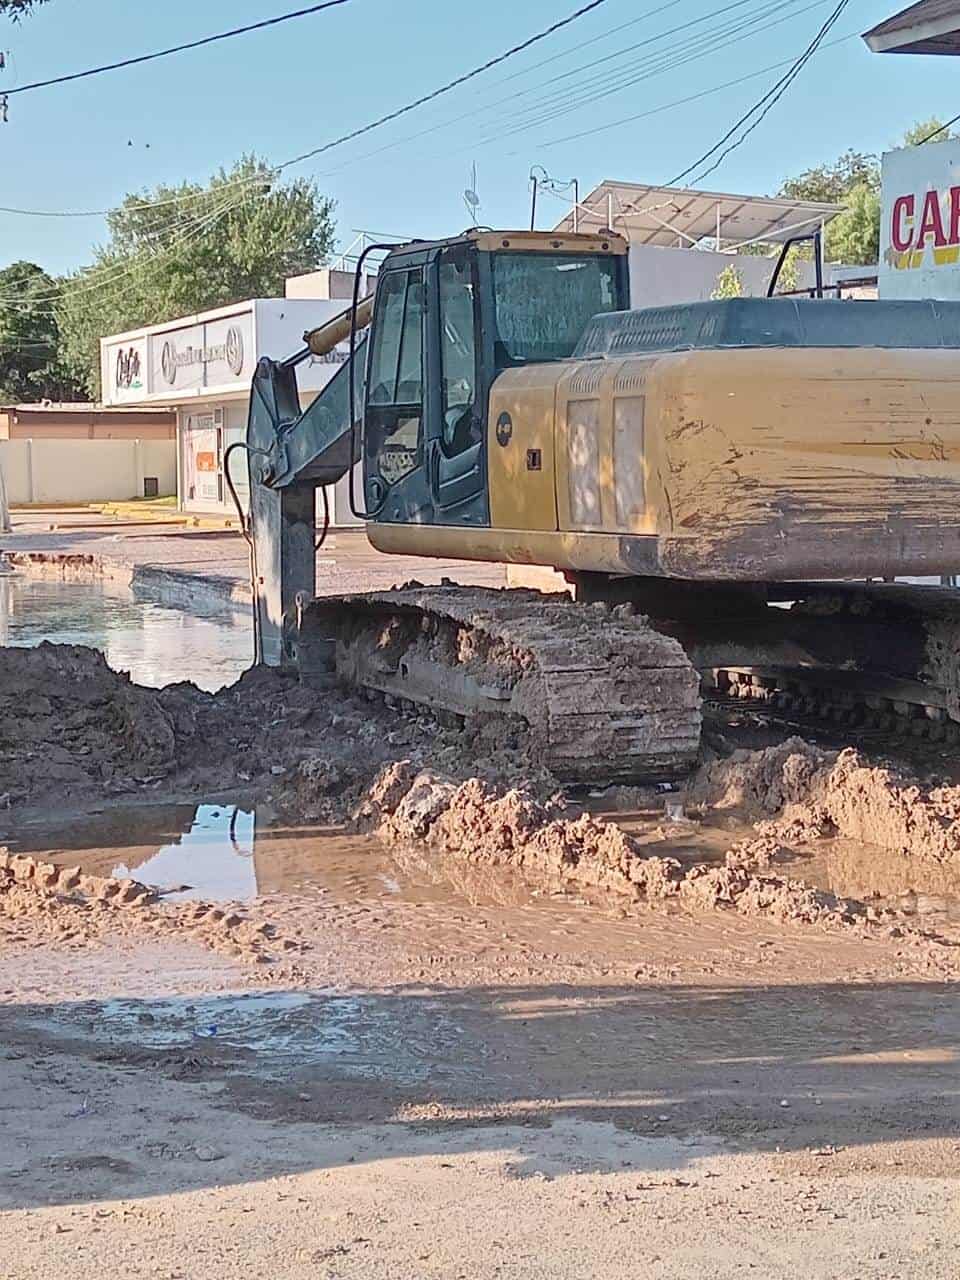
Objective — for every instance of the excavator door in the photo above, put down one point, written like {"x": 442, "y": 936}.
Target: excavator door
{"x": 423, "y": 432}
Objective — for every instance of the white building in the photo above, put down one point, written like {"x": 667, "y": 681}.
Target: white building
{"x": 202, "y": 366}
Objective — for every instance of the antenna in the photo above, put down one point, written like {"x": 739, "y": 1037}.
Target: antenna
{"x": 470, "y": 197}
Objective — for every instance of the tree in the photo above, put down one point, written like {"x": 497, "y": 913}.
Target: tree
{"x": 924, "y": 128}
{"x": 829, "y": 183}
{"x": 853, "y": 180}
{"x": 853, "y": 236}
{"x": 17, "y": 9}
{"x": 729, "y": 284}
{"x": 30, "y": 366}
{"x": 174, "y": 251}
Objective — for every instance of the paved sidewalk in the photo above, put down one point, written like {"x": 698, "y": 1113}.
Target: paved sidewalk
{"x": 216, "y": 558}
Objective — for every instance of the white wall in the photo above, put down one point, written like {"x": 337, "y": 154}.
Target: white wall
{"x": 659, "y": 277}
{"x": 85, "y": 470}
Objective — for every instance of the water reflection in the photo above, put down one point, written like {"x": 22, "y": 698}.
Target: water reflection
{"x": 157, "y": 643}
{"x": 235, "y": 852}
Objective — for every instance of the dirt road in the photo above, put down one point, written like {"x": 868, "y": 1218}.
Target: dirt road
{"x": 488, "y": 1036}
{"x": 460, "y": 1087}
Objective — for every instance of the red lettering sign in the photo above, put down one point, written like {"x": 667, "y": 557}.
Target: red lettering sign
{"x": 955, "y": 215}
{"x": 903, "y": 208}
{"x": 931, "y": 222}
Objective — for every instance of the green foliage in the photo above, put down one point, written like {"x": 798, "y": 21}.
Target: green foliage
{"x": 829, "y": 183}
{"x": 30, "y": 367}
{"x": 17, "y": 9}
{"x": 729, "y": 284}
{"x": 789, "y": 278}
{"x": 854, "y": 236}
{"x": 178, "y": 250}
{"x": 853, "y": 180}
{"x": 923, "y": 129}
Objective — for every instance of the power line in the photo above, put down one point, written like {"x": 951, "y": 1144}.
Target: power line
{"x": 347, "y": 137}
{"x": 770, "y": 98}
{"x": 179, "y": 48}
{"x": 682, "y": 102}
{"x": 655, "y": 63}
{"x": 193, "y": 230}
{"x": 452, "y": 84}
{"x": 500, "y": 101}
{"x": 710, "y": 42}
{"x": 942, "y": 128}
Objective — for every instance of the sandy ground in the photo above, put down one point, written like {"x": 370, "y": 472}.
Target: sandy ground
{"x": 464, "y": 1086}
{"x": 473, "y": 1041}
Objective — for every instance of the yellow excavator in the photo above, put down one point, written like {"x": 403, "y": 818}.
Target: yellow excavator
{"x": 730, "y": 489}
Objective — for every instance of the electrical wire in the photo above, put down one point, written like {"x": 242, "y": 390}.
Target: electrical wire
{"x": 584, "y": 44}
{"x": 574, "y": 100}
{"x": 247, "y": 533}
{"x": 767, "y": 102}
{"x": 193, "y": 230}
{"x": 942, "y": 129}
{"x": 658, "y": 63}
{"x": 325, "y": 527}
{"x": 577, "y": 101}
{"x": 187, "y": 230}
{"x": 367, "y": 128}
{"x": 446, "y": 88}
{"x": 179, "y": 48}
{"x": 681, "y": 102}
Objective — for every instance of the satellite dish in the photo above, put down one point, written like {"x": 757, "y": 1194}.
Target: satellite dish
{"x": 471, "y": 197}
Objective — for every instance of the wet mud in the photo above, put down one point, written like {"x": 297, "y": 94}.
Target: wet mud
{"x": 45, "y": 901}
{"x": 735, "y": 838}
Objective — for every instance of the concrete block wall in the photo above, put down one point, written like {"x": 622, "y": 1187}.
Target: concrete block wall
{"x": 39, "y": 471}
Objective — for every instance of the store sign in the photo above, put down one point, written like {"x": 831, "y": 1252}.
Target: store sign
{"x": 125, "y": 370}
{"x": 229, "y": 352}
{"x": 213, "y": 354}
{"x": 920, "y": 222}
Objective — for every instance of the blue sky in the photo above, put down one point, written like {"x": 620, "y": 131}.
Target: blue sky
{"x": 284, "y": 90}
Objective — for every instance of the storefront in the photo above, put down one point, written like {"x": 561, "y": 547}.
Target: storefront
{"x": 202, "y": 366}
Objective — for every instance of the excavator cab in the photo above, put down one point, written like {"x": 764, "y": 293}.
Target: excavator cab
{"x": 449, "y": 317}
{"x": 412, "y": 404}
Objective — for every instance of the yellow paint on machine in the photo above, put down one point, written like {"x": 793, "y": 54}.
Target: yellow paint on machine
{"x": 595, "y": 551}
{"x": 520, "y": 448}
{"x": 749, "y": 464}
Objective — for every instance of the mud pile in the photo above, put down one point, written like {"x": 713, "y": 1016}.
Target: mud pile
{"x": 71, "y": 727}
{"x": 486, "y": 825}
{"x": 813, "y": 793}
{"x": 40, "y": 901}
{"x": 68, "y": 722}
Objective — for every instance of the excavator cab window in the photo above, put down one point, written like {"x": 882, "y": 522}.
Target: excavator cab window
{"x": 461, "y": 427}
{"x": 394, "y": 414}
{"x": 542, "y": 302}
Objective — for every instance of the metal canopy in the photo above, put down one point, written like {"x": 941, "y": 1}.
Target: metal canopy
{"x": 933, "y": 26}
{"x": 678, "y": 216}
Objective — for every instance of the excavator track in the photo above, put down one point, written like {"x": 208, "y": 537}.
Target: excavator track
{"x": 879, "y": 660}
{"x": 606, "y": 697}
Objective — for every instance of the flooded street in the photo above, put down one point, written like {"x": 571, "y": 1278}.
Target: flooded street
{"x": 156, "y": 643}
{"x": 252, "y": 1019}
{"x": 238, "y": 852}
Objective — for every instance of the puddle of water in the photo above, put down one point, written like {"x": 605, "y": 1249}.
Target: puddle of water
{"x": 282, "y": 1035}
{"x": 881, "y": 878}
{"x": 157, "y": 643}
{"x": 228, "y": 852}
